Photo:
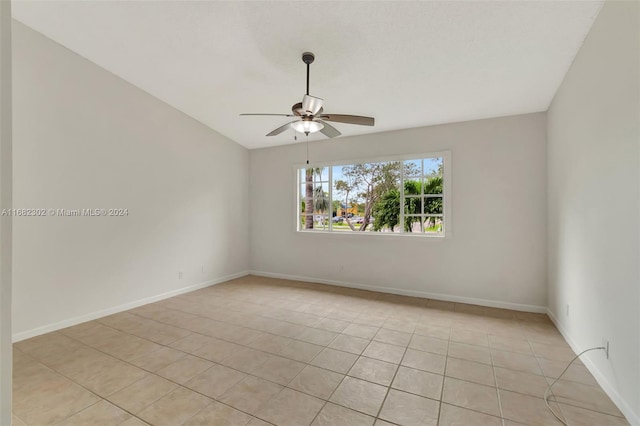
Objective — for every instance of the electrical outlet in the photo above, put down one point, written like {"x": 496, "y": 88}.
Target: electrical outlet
{"x": 567, "y": 306}
{"x": 180, "y": 275}
{"x": 203, "y": 269}
{"x": 605, "y": 345}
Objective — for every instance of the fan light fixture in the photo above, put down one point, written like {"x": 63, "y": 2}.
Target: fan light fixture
{"x": 307, "y": 126}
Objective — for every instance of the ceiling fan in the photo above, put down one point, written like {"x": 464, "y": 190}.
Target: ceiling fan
{"x": 311, "y": 118}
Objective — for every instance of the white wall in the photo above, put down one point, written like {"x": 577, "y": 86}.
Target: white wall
{"x": 84, "y": 138}
{"x": 497, "y": 253}
{"x": 593, "y": 186}
{"x": 5, "y": 221}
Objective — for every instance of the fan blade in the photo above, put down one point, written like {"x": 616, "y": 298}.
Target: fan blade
{"x": 328, "y": 130}
{"x": 311, "y": 105}
{"x": 349, "y": 119}
{"x": 278, "y": 115}
{"x": 280, "y": 129}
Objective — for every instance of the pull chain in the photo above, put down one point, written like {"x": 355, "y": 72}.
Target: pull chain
{"x": 307, "y": 148}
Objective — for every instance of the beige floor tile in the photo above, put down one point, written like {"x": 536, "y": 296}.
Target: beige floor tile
{"x": 575, "y": 373}
{"x": 316, "y": 381}
{"x": 359, "y": 395}
{"x": 436, "y": 331}
{"x": 100, "y": 414}
{"x": 384, "y": 352}
{"x": 469, "y": 337}
{"x": 105, "y": 379}
{"x": 51, "y": 401}
{"x": 156, "y": 360}
{"x": 217, "y": 350}
{"x": 15, "y": 421}
{"x": 300, "y": 351}
{"x": 257, "y": 422}
{"x": 370, "y": 320}
{"x": 360, "y": 330}
{"x": 373, "y": 370}
{"x": 136, "y": 397}
{"x": 334, "y": 325}
{"x": 393, "y": 337}
{"x": 270, "y": 343}
{"x": 191, "y": 343}
{"x": 279, "y": 370}
{"x": 469, "y": 352}
{"x": 351, "y": 344}
{"x": 317, "y": 336}
{"x": 560, "y": 352}
{"x": 580, "y": 395}
{"x": 518, "y": 381}
{"x": 185, "y": 369}
{"x": 515, "y": 361}
{"x": 410, "y": 410}
{"x": 527, "y": 409}
{"x": 334, "y": 360}
{"x": 399, "y": 324}
{"x": 510, "y": 344}
{"x": 429, "y": 344}
{"x": 133, "y": 421}
{"x": 174, "y": 408}
{"x": 336, "y": 415}
{"x": 471, "y": 395}
{"x": 418, "y": 382}
{"x": 455, "y": 416}
{"x": 290, "y": 408}
{"x": 382, "y": 423}
{"x": 580, "y": 417}
{"x": 247, "y": 360}
{"x": 250, "y": 394}
{"x": 215, "y": 381}
{"x": 470, "y": 371}
{"x": 218, "y": 414}
{"x": 126, "y": 346}
{"x": 425, "y": 361}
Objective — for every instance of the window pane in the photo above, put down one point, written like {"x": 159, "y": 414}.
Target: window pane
{"x": 433, "y": 205}
{"x": 412, "y": 168}
{"x": 433, "y": 225}
{"x": 433, "y": 166}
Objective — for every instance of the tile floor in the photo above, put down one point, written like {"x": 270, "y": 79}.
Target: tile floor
{"x": 258, "y": 351}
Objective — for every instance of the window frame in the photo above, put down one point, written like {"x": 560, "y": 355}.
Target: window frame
{"x": 447, "y": 232}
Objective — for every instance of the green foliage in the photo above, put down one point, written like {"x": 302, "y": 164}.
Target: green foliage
{"x": 387, "y": 209}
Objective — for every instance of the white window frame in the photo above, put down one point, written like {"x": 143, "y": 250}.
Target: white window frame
{"x": 446, "y": 194}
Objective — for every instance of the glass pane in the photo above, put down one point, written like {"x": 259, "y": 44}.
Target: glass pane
{"x": 412, "y": 187}
{"x": 413, "y": 205}
{"x": 433, "y": 205}
{"x": 412, "y": 168}
{"x": 433, "y": 166}
{"x": 433, "y": 185}
{"x": 433, "y": 225}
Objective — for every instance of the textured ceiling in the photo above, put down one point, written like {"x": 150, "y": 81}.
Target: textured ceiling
{"x": 408, "y": 64}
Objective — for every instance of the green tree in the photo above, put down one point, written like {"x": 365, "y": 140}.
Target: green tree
{"x": 367, "y": 183}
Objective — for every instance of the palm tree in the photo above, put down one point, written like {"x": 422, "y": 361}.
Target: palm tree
{"x": 309, "y": 204}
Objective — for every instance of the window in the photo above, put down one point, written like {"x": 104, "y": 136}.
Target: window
{"x": 391, "y": 196}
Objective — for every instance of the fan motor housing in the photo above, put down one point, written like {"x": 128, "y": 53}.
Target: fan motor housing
{"x": 308, "y": 58}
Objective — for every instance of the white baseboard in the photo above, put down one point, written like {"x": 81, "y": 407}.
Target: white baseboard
{"x": 115, "y": 309}
{"x": 414, "y": 293}
{"x": 624, "y": 406}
